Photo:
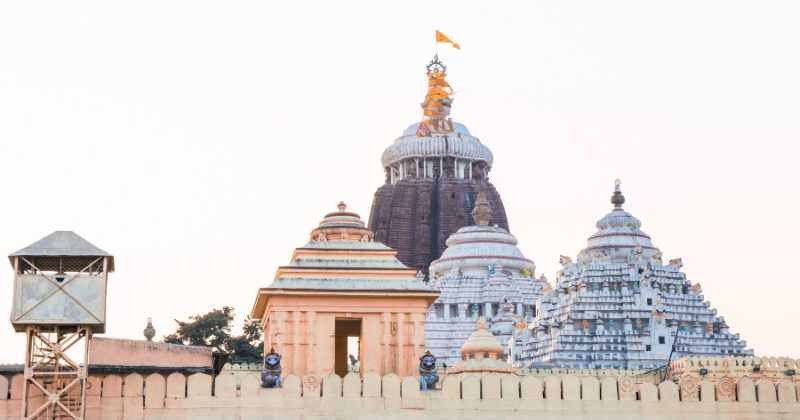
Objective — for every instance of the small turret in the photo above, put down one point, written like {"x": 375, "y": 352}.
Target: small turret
{"x": 149, "y": 332}
{"x": 481, "y": 344}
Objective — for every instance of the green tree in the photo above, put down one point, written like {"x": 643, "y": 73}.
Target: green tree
{"x": 213, "y": 329}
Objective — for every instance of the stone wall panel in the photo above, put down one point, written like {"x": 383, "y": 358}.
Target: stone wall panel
{"x": 332, "y": 386}
{"x": 725, "y": 389}
{"x": 133, "y": 396}
{"x": 3, "y": 388}
{"x": 707, "y": 391}
{"x": 372, "y": 385}
{"x": 411, "y": 395}
{"x": 571, "y": 388}
{"x": 351, "y": 386}
{"x": 198, "y": 385}
{"x": 250, "y": 385}
{"x": 471, "y": 387}
{"x": 410, "y": 388}
{"x": 745, "y": 390}
{"x": 552, "y": 388}
{"x": 668, "y": 391}
{"x": 225, "y": 386}
{"x": 133, "y": 385}
{"x": 176, "y": 386}
{"x": 510, "y": 386}
{"x": 590, "y": 389}
{"x": 531, "y": 388}
{"x": 608, "y": 389}
{"x": 155, "y": 391}
{"x": 787, "y": 392}
{"x": 451, "y": 388}
{"x": 291, "y": 387}
{"x": 627, "y": 388}
{"x": 311, "y": 386}
{"x": 112, "y": 386}
{"x": 391, "y": 386}
{"x": 15, "y": 387}
{"x": 690, "y": 388}
{"x": 94, "y": 386}
{"x": 765, "y": 391}
{"x": 648, "y": 392}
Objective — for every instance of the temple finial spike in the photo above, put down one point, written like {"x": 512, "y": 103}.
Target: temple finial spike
{"x": 617, "y": 199}
{"x": 149, "y": 331}
{"x": 341, "y": 206}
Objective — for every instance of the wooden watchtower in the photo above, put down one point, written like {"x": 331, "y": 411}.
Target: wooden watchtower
{"x": 59, "y": 302}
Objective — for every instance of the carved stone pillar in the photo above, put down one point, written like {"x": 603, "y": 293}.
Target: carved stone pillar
{"x": 280, "y": 332}
{"x": 401, "y": 342}
{"x": 419, "y": 336}
{"x": 296, "y": 338}
{"x": 311, "y": 351}
{"x": 386, "y": 338}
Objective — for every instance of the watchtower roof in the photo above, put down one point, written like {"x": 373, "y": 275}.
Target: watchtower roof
{"x": 63, "y": 243}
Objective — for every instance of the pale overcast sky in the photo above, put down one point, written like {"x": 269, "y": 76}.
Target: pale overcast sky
{"x": 200, "y": 142}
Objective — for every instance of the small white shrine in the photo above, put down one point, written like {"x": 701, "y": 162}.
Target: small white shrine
{"x": 481, "y": 274}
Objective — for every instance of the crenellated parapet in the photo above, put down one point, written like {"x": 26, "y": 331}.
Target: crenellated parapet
{"x": 774, "y": 369}
{"x": 372, "y": 396}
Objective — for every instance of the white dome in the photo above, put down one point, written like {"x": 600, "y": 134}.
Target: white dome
{"x": 481, "y": 246}
{"x": 618, "y": 236}
{"x": 460, "y": 144}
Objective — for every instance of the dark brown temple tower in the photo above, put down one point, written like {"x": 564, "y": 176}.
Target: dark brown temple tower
{"x": 433, "y": 172}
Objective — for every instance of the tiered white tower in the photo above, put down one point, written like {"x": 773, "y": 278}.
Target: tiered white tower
{"x": 481, "y": 274}
{"x": 618, "y": 306}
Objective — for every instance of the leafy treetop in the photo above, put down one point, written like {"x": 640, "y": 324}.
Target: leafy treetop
{"x": 213, "y": 329}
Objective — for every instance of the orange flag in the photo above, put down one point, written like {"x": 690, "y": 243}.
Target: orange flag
{"x": 440, "y": 37}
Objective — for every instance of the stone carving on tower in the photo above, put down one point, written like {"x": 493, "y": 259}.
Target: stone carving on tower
{"x": 619, "y": 306}
{"x": 433, "y": 172}
{"x": 481, "y": 275}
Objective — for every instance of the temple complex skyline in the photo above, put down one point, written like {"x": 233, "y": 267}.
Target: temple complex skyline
{"x": 192, "y": 155}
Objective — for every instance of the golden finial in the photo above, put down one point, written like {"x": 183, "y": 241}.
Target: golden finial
{"x": 341, "y": 206}
{"x": 436, "y": 108}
